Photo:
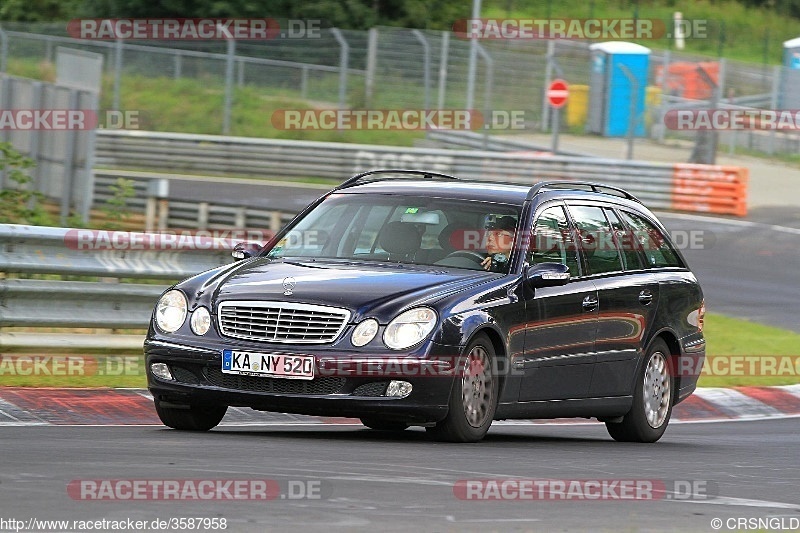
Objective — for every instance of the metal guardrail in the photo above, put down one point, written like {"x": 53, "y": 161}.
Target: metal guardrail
{"x": 188, "y": 214}
{"x": 86, "y": 304}
{"x": 45, "y": 250}
{"x": 713, "y": 188}
{"x": 76, "y": 304}
{"x": 470, "y": 139}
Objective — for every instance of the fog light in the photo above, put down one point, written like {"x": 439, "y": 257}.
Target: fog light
{"x": 399, "y": 389}
{"x": 161, "y": 370}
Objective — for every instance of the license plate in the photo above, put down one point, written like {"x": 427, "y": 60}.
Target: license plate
{"x": 274, "y": 365}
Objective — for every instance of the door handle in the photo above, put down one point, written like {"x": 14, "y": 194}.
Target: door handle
{"x": 589, "y": 303}
{"x": 645, "y": 297}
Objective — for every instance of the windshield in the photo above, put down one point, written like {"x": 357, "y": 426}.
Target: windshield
{"x": 405, "y": 229}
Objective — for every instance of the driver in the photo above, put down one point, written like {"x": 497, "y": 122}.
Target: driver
{"x": 499, "y": 241}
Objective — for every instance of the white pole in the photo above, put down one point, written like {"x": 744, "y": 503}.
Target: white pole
{"x": 473, "y": 56}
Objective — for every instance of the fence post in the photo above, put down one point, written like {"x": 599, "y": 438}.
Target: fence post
{"x": 633, "y": 119}
{"x": 37, "y": 91}
{"x": 658, "y": 121}
{"x": 117, "y": 74}
{"x": 275, "y": 221}
{"x": 157, "y": 207}
{"x": 443, "y": 68}
{"x": 487, "y": 93}
{"x": 178, "y": 64}
{"x": 3, "y": 50}
{"x": 548, "y": 77}
{"x": 344, "y": 57}
{"x": 202, "y": 215}
{"x": 240, "y": 218}
{"x": 226, "y": 111}
{"x": 304, "y": 82}
{"x": 48, "y": 51}
{"x": 372, "y": 56}
{"x": 777, "y": 73}
{"x": 473, "y": 57}
{"x": 426, "y": 65}
{"x": 5, "y": 103}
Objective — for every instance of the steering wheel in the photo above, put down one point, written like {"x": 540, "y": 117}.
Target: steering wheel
{"x": 468, "y": 254}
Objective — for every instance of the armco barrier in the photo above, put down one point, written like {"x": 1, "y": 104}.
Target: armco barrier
{"x": 86, "y": 304}
{"x": 659, "y": 185}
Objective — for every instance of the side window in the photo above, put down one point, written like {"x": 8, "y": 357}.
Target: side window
{"x": 657, "y": 249}
{"x": 625, "y": 242}
{"x": 552, "y": 240}
{"x": 597, "y": 242}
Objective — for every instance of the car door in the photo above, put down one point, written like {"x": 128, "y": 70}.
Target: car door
{"x": 560, "y": 322}
{"x": 627, "y": 295}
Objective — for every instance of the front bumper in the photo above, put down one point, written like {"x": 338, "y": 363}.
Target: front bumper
{"x": 346, "y": 385}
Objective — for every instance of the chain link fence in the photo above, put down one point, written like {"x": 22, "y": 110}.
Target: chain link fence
{"x": 398, "y": 68}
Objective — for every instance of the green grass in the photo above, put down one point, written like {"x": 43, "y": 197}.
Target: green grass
{"x": 192, "y": 106}
{"x": 72, "y": 371}
{"x": 737, "y": 31}
{"x": 725, "y": 337}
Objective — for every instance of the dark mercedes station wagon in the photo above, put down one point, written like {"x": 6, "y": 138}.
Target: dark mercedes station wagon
{"x": 413, "y": 298}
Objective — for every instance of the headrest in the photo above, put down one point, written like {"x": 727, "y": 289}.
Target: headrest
{"x": 400, "y": 238}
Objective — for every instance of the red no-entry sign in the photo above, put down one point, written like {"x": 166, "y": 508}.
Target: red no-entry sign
{"x": 557, "y": 93}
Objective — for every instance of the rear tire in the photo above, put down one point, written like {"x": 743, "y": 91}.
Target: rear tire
{"x": 473, "y": 398}
{"x": 384, "y": 425}
{"x": 195, "y": 418}
{"x": 652, "y": 400}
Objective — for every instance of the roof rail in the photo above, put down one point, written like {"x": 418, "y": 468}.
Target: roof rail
{"x": 580, "y": 185}
{"x": 374, "y": 175}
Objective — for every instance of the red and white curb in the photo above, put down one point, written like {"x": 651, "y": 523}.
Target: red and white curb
{"x": 21, "y": 406}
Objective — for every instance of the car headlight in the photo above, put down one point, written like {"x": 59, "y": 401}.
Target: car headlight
{"x": 409, "y": 328}
{"x": 201, "y": 321}
{"x": 364, "y": 332}
{"x": 171, "y": 311}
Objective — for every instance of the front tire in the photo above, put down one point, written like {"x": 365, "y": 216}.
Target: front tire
{"x": 473, "y": 398}
{"x": 195, "y": 418}
{"x": 652, "y": 401}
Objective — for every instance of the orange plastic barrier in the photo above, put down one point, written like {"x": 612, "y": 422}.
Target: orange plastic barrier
{"x": 714, "y": 189}
{"x": 683, "y": 79}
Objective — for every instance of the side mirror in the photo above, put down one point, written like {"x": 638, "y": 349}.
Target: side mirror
{"x": 547, "y": 275}
{"x": 245, "y": 250}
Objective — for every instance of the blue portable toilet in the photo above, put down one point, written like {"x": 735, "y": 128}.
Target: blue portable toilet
{"x": 790, "y": 75}
{"x": 611, "y": 90}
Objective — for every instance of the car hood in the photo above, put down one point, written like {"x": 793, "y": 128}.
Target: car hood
{"x": 379, "y": 290}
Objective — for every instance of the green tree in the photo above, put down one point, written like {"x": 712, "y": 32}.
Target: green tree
{"x": 19, "y": 203}
{"x": 37, "y": 10}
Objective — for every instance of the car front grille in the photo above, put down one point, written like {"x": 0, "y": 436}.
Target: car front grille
{"x": 282, "y": 322}
{"x": 323, "y": 385}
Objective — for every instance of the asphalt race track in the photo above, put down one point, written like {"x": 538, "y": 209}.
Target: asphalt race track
{"x": 367, "y": 480}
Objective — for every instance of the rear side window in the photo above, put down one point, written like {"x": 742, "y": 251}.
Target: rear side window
{"x": 552, "y": 240}
{"x": 597, "y": 240}
{"x": 657, "y": 249}
{"x": 625, "y": 242}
